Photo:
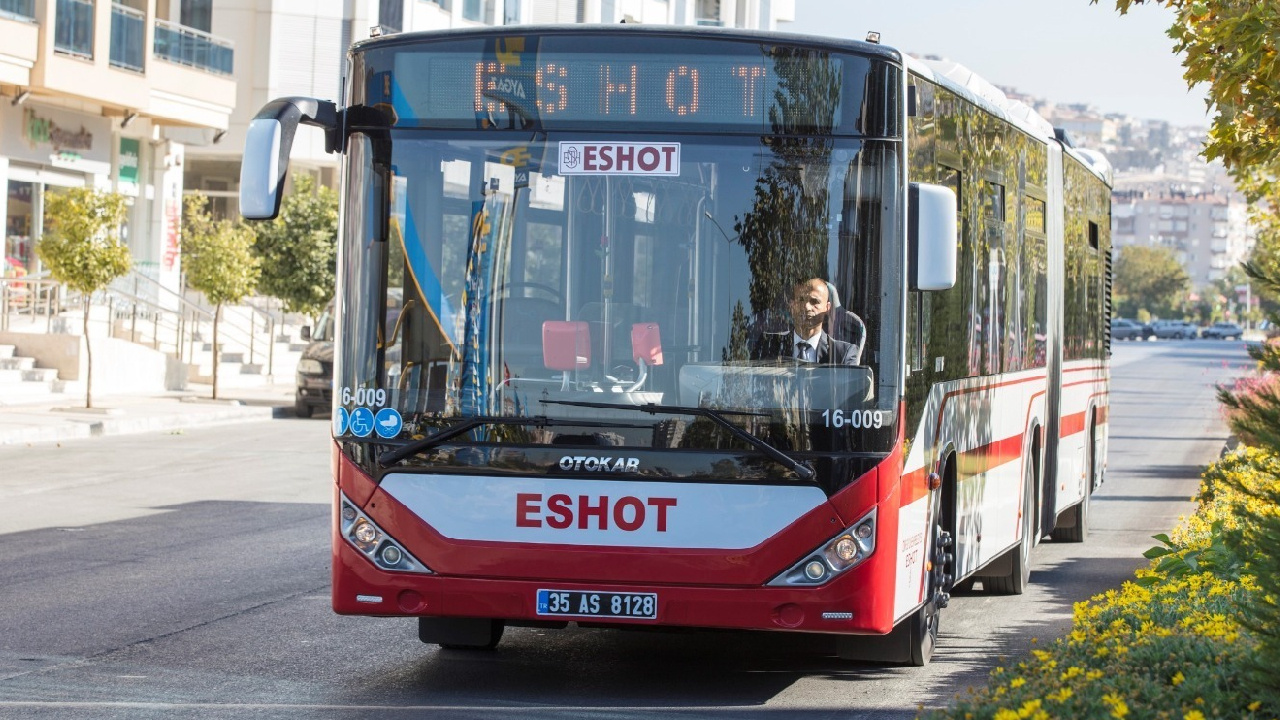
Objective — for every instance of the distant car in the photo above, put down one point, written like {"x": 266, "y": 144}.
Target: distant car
{"x": 1174, "y": 329}
{"x": 1122, "y": 329}
{"x": 315, "y": 368}
{"x": 1223, "y": 331}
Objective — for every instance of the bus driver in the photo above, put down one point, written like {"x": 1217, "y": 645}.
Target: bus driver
{"x": 806, "y": 340}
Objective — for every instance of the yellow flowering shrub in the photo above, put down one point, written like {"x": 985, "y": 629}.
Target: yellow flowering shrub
{"x": 1172, "y": 644}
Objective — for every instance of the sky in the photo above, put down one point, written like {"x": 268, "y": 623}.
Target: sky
{"x": 1066, "y": 51}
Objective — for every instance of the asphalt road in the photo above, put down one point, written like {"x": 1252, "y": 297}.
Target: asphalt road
{"x": 186, "y": 575}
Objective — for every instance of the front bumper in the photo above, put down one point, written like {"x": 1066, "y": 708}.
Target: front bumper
{"x": 845, "y": 605}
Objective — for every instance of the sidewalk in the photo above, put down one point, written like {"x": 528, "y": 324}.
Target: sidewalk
{"x": 66, "y": 417}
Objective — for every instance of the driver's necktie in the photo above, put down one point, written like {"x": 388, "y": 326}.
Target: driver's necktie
{"x": 804, "y": 351}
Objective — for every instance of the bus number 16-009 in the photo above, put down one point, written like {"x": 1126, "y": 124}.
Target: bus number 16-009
{"x": 853, "y": 418}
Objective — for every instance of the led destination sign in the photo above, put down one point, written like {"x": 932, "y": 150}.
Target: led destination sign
{"x": 522, "y": 83}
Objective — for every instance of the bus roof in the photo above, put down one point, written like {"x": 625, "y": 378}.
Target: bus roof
{"x": 973, "y": 87}
{"x": 814, "y": 41}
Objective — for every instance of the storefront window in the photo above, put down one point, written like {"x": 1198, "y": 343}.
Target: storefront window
{"x": 19, "y": 250}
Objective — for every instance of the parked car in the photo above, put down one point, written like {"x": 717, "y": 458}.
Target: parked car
{"x": 1223, "y": 331}
{"x": 1122, "y": 329}
{"x": 1175, "y": 329}
{"x": 315, "y": 368}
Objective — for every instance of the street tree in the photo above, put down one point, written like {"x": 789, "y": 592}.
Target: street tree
{"x": 299, "y": 249}
{"x": 82, "y": 249}
{"x": 1150, "y": 279}
{"x": 217, "y": 256}
{"x": 1233, "y": 48}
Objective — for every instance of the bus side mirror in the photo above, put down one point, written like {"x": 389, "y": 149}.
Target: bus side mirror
{"x": 266, "y": 150}
{"x": 931, "y": 234}
{"x": 305, "y": 333}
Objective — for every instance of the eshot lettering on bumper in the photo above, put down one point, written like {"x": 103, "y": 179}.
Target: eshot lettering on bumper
{"x": 743, "y": 567}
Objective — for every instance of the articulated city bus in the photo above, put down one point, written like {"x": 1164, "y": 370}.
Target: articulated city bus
{"x": 571, "y": 267}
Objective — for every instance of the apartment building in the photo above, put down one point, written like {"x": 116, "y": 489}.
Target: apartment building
{"x": 92, "y": 93}
{"x": 296, "y": 47}
{"x": 1208, "y": 232}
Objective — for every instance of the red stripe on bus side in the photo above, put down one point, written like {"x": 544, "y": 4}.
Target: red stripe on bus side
{"x": 1071, "y": 424}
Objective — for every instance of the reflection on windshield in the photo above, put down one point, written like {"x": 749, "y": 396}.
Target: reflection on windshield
{"x": 510, "y": 279}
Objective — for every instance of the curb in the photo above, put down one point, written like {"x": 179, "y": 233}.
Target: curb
{"x": 72, "y": 428}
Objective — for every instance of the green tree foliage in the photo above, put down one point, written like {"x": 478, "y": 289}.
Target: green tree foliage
{"x": 217, "y": 256}
{"x": 1149, "y": 279}
{"x": 81, "y": 247}
{"x": 1233, "y": 47}
{"x": 299, "y": 249}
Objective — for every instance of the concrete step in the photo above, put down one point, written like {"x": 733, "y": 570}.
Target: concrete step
{"x": 39, "y": 375}
{"x": 30, "y": 393}
{"x": 8, "y": 351}
{"x": 17, "y": 363}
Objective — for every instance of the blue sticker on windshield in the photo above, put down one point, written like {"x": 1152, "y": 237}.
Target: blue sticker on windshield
{"x": 387, "y": 422}
{"x": 361, "y": 422}
{"x": 340, "y": 422}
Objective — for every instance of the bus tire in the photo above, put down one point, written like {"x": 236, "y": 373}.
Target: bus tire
{"x": 461, "y": 633}
{"x": 1074, "y": 526}
{"x": 1019, "y": 577}
{"x": 301, "y": 409}
{"x": 912, "y": 641}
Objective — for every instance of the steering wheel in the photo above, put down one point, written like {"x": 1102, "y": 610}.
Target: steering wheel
{"x": 509, "y": 287}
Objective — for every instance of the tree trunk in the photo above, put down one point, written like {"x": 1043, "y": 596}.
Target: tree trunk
{"x": 88, "y": 354}
{"x": 217, "y": 351}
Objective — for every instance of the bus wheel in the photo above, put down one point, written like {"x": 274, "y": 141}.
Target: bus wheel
{"x": 461, "y": 633}
{"x": 1019, "y": 577}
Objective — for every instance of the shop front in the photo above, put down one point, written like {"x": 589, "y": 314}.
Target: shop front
{"x": 44, "y": 150}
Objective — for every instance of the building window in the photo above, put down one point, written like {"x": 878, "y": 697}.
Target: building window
{"x": 197, "y": 14}
{"x": 391, "y": 15}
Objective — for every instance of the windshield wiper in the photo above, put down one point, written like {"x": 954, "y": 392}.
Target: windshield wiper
{"x": 414, "y": 447}
{"x": 715, "y": 416}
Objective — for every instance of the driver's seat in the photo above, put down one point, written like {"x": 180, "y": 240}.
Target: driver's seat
{"x": 844, "y": 325}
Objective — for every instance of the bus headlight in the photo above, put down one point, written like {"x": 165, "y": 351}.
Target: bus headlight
{"x": 846, "y": 550}
{"x": 365, "y": 535}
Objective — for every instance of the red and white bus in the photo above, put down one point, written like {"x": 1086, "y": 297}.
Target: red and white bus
{"x": 566, "y": 255}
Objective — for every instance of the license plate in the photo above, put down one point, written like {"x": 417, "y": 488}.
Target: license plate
{"x": 588, "y": 603}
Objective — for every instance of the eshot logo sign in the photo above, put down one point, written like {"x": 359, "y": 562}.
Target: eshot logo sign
{"x": 589, "y": 158}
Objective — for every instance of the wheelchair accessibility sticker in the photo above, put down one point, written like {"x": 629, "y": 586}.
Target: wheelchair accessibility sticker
{"x": 361, "y": 422}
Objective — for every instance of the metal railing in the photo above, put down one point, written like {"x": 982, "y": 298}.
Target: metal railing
{"x": 128, "y": 37}
{"x": 33, "y": 297}
{"x": 18, "y": 10}
{"x": 142, "y": 311}
{"x": 140, "y": 304}
{"x": 183, "y": 45}
{"x": 73, "y": 28}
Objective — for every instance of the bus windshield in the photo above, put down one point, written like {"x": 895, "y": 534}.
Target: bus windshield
{"x": 567, "y": 272}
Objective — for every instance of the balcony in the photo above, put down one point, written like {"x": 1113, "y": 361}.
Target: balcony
{"x": 73, "y": 28}
{"x": 128, "y": 37}
{"x": 24, "y": 10}
{"x": 182, "y": 45}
